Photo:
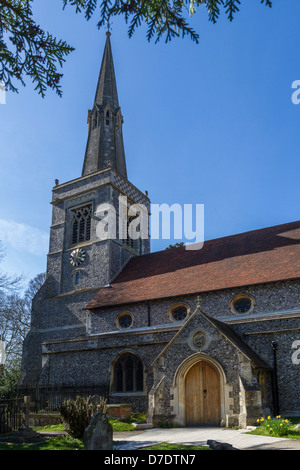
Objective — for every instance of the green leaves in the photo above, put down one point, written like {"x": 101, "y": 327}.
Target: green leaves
{"x": 163, "y": 18}
{"x": 213, "y": 7}
{"x": 76, "y": 414}
{"x": 27, "y": 50}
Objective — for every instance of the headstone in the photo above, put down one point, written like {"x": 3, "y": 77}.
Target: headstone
{"x": 95, "y": 400}
{"x": 99, "y": 433}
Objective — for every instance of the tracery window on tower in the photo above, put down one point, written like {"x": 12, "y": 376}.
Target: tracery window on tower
{"x": 81, "y": 224}
{"x": 128, "y": 374}
{"x": 128, "y": 240}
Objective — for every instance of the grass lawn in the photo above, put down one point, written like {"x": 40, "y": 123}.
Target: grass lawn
{"x": 61, "y": 442}
{"x": 46, "y": 443}
{"x": 119, "y": 426}
{"x": 292, "y": 434}
{"x": 65, "y": 442}
{"x": 68, "y": 443}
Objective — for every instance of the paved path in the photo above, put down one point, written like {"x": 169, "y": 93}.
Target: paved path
{"x": 199, "y": 436}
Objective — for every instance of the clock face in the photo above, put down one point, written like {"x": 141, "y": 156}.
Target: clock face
{"x": 77, "y": 257}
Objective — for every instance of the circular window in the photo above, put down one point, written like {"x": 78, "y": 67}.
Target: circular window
{"x": 125, "y": 320}
{"x": 179, "y": 312}
{"x": 242, "y": 304}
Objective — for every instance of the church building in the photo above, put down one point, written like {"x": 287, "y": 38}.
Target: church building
{"x": 192, "y": 337}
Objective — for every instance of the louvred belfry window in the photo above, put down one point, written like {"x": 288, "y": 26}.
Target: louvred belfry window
{"x": 107, "y": 118}
{"x": 81, "y": 224}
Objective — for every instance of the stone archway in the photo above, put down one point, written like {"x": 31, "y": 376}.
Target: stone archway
{"x": 196, "y": 374}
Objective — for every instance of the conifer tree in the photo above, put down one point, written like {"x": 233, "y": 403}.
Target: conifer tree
{"x": 27, "y": 50}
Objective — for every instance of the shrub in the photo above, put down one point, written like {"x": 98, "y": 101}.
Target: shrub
{"x": 275, "y": 426}
{"x": 77, "y": 414}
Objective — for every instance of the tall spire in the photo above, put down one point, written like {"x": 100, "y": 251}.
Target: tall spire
{"x": 105, "y": 147}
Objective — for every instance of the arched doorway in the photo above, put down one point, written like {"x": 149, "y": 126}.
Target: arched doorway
{"x": 202, "y": 395}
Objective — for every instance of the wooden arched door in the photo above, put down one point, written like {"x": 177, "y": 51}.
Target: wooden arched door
{"x": 202, "y": 395}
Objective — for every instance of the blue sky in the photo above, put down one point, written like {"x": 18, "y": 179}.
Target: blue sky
{"x": 210, "y": 124}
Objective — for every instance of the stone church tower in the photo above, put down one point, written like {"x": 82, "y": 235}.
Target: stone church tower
{"x": 73, "y": 231}
{"x": 80, "y": 262}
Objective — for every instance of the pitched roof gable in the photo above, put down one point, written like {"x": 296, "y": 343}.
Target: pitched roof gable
{"x": 260, "y": 256}
{"x": 227, "y": 332}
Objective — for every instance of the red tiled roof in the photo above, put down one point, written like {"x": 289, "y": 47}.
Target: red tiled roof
{"x": 260, "y": 256}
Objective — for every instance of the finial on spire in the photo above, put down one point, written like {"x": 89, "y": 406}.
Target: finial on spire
{"x": 108, "y": 24}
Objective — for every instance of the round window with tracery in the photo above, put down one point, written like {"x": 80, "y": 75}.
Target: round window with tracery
{"x": 179, "y": 312}
{"x": 125, "y": 320}
{"x": 242, "y": 304}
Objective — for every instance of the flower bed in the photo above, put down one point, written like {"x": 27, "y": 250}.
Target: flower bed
{"x": 277, "y": 426}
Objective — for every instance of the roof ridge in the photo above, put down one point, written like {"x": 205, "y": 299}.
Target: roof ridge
{"x": 184, "y": 248}
{"x": 258, "y": 257}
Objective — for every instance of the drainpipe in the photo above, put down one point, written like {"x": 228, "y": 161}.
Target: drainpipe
{"x": 275, "y": 381}
{"x": 149, "y": 317}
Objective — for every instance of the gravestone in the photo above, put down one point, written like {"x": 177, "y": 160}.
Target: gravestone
{"x": 95, "y": 400}
{"x": 99, "y": 433}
